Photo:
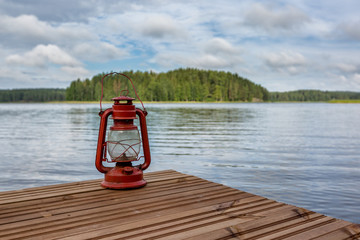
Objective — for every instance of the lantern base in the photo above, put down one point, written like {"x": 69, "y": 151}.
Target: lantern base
{"x": 123, "y": 177}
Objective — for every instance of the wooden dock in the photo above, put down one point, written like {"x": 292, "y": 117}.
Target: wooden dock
{"x": 172, "y": 206}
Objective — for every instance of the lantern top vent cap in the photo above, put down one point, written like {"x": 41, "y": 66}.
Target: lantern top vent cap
{"x": 123, "y": 98}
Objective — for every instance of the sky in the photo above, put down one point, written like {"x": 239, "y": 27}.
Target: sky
{"x": 281, "y": 45}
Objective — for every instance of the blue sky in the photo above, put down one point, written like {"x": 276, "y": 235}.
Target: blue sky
{"x": 282, "y": 45}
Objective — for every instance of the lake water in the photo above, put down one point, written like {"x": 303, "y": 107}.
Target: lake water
{"x": 302, "y": 154}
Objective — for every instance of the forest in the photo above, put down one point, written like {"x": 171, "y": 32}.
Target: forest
{"x": 32, "y": 95}
{"x": 177, "y": 85}
{"x": 313, "y": 96}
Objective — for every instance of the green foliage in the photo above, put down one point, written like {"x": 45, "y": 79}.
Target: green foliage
{"x": 32, "y": 95}
{"x": 177, "y": 85}
{"x": 312, "y": 96}
{"x": 345, "y": 101}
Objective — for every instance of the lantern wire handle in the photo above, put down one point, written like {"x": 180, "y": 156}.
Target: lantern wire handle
{"x": 124, "y": 90}
{"x": 102, "y": 88}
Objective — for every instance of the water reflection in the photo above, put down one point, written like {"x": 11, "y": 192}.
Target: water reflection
{"x": 193, "y": 129}
{"x": 302, "y": 154}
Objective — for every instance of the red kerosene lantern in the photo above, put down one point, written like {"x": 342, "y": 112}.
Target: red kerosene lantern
{"x": 123, "y": 143}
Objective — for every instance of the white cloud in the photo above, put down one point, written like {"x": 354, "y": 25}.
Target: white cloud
{"x": 350, "y": 30}
{"x": 28, "y": 30}
{"x": 99, "y": 51}
{"x": 42, "y": 55}
{"x": 51, "y": 63}
{"x": 202, "y": 61}
{"x": 270, "y": 19}
{"x": 208, "y": 61}
{"x": 356, "y": 78}
{"x": 59, "y": 11}
{"x": 160, "y": 26}
{"x": 148, "y": 25}
{"x": 220, "y": 46}
{"x": 347, "y": 68}
{"x": 217, "y": 53}
{"x": 74, "y": 71}
{"x": 352, "y": 82}
{"x": 290, "y": 62}
{"x": 25, "y": 25}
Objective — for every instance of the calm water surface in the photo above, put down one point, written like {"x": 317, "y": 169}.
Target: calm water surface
{"x": 301, "y": 154}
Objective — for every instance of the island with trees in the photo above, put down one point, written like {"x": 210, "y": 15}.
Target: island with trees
{"x": 180, "y": 85}
{"x": 177, "y": 85}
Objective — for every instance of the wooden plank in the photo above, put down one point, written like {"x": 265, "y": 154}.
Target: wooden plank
{"x": 99, "y": 215}
{"x": 149, "y": 176}
{"x": 350, "y": 232}
{"x": 167, "y": 221}
{"x": 107, "y": 205}
{"x": 189, "y": 230}
{"x": 267, "y": 223}
{"x": 297, "y": 227}
{"x": 88, "y": 198}
{"x": 316, "y": 232}
{"x": 83, "y": 184}
{"x": 172, "y": 206}
{"x": 94, "y": 221}
{"x": 145, "y": 195}
{"x": 156, "y": 186}
{"x": 93, "y": 187}
{"x": 167, "y": 225}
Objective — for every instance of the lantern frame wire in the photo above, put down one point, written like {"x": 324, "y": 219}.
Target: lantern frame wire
{"x": 116, "y": 73}
{"x": 116, "y": 143}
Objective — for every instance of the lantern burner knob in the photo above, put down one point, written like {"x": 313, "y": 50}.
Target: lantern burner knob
{"x": 128, "y": 170}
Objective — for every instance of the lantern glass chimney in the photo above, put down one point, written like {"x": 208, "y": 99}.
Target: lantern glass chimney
{"x": 123, "y": 145}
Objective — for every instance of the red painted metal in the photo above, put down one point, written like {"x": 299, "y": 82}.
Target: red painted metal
{"x": 145, "y": 139}
{"x": 100, "y": 153}
{"x": 123, "y": 175}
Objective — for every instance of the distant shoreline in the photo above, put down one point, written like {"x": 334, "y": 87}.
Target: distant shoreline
{"x": 356, "y": 101}
{"x": 345, "y": 101}
{"x": 62, "y": 95}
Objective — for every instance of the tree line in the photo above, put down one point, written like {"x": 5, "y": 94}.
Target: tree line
{"x": 177, "y": 85}
{"x": 313, "y": 96}
{"x": 32, "y": 95}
